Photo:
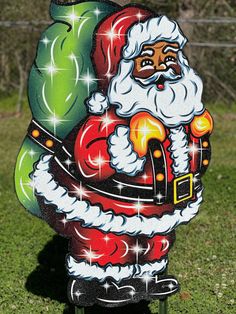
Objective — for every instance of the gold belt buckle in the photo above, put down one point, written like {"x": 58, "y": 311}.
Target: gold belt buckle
{"x": 183, "y": 188}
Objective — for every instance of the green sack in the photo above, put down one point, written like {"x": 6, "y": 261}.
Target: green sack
{"x": 61, "y": 78}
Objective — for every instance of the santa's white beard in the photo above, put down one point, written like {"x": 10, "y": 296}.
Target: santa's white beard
{"x": 175, "y": 105}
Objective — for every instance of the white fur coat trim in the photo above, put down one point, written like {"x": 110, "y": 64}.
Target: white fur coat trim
{"x": 92, "y": 216}
{"x": 123, "y": 157}
{"x": 179, "y": 151}
{"x": 81, "y": 269}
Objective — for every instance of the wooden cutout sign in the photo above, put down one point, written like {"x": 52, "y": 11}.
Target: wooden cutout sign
{"x": 116, "y": 148}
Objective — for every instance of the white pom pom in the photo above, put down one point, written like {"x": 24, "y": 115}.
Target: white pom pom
{"x": 97, "y": 103}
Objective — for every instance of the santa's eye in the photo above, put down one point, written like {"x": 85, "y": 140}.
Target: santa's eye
{"x": 146, "y": 62}
{"x": 170, "y": 59}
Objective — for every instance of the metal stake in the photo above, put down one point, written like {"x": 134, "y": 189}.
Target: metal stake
{"x": 163, "y": 306}
{"x": 79, "y": 310}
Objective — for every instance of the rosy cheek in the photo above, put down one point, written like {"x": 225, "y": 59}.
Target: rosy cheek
{"x": 176, "y": 67}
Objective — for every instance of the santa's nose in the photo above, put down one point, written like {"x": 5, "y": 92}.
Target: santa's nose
{"x": 160, "y": 66}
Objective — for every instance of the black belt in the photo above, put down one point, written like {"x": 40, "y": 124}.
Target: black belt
{"x": 43, "y": 137}
{"x": 179, "y": 191}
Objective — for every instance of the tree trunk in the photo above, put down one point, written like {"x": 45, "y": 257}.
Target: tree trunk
{"x": 186, "y": 11}
{"x": 22, "y": 77}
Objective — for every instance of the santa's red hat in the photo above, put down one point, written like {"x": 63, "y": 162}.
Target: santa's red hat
{"x": 123, "y": 34}
{"x": 110, "y": 38}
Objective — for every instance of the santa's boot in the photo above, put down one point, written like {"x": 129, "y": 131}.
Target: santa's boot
{"x": 110, "y": 293}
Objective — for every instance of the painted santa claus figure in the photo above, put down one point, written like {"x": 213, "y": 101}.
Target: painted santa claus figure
{"x": 130, "y": 173}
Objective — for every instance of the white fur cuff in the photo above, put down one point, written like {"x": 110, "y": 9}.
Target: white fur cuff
{"x": 81, "y": 269}
{"x": 97, "y": 103}
{"x": 123, "y": 157}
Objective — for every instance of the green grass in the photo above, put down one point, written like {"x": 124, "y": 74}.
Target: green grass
{"x": 32, "y": 271}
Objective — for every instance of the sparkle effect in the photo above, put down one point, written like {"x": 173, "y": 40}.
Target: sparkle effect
{"x": 68, "y": 163}
{"x": 106, "y": 120}
{"x": 146, "y": 278}
{"x": 45, "y": 41}
{"x": 90, "y": 255}
{"x": 120, "y": 187}
{"x": 159, "y": 197}
{"x": 139, "y": 15}
{"x": 195, "y": 180}
{"x": 138, "y": 207}
{"x": 132, "y": 293}
{"x": 98, "y": 161}
{"x": 32, "y": 153}
{"x": 78, "y": 294}
{"x": 80, "y": 191}
{"x": 106, "y": 239}
{"x": 97, "y": 12}
{"x": 194, "y": 149}
{"x": 55, "y": 121}
{"x": 111, "y": 35}
{"x": 31, "y": 184}
{"x": 106, "y": 286}
{"x": 51, "y": 69}
{"x": 64, "y": 221}
{"x": 171, "y": 286}
{"x": 137, "y": 250}
{"x": 145, "y": 177}
{"x": 88, "y": 80}
{"x": 73, "y": 18}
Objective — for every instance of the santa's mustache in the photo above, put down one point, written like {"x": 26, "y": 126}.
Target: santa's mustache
{"x": 168, "y": 75}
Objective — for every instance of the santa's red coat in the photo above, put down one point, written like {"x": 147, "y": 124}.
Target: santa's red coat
{"x": 93, "y": 160}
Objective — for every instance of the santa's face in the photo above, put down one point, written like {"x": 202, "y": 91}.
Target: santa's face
{"x": 159, "y": 81}
{"x": 156, "y": 59}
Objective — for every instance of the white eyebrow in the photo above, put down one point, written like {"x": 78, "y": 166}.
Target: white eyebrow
{"x": 170, "y": 48}
{"x": 148, "y": 52}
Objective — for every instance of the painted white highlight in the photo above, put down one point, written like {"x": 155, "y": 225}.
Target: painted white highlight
{"x": 166, "y": 244}
{"x": 123, "y": 287}
{"x": 109, "y": 60}
{"x": 126, "y": 248}
{"x": 94, "y": 217}
{"x": 142, "y": 187}
{"x": 71, "y": 290}
{"x": 22, "y": 159}
{"x": 84, "y": 174}
{"x": 68, "y": 97}
{"x": 83, "y": 135}
{"x": 81, "y": 269}
{"x": 73, "y": 58}
{"x": 45, "y": 100}
{"x": 81, "y": 25}
{"x": 113, "y": 301}
{"x": 52, "y": 49}
{"x": 23, "y": 190}
{"x": 123, "y": 157}
{"x": 179, "y": 151}
{"x": 80, "y": 235}
{"x": 147, "y": 250}
{"x": 121, "y": 196}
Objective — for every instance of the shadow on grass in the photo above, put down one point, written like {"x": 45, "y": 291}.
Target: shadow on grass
{"x": 49, "y": 280}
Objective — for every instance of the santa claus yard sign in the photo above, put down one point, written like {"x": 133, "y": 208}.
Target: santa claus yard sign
{"x": 116, "y": 148}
